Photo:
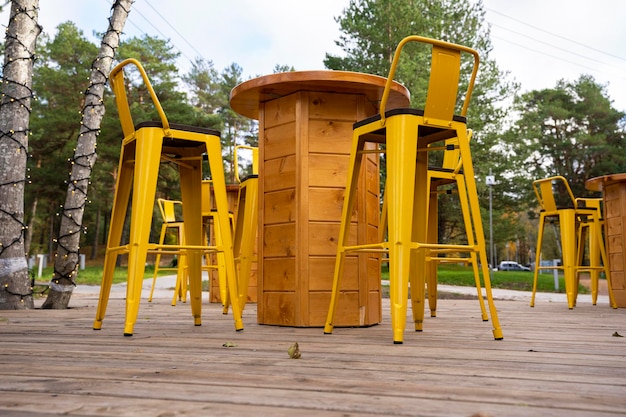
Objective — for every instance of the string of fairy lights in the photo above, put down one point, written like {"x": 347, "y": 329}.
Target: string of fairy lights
{"x": 14, "y": 216}
{"x": 78, "y": 184}
{"x": 81, "y": 163}
{"x": 16, "y": 98}
{"x": 81, "y": 166}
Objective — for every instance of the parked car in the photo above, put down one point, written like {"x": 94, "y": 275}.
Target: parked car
{"x": 512, "y": 266}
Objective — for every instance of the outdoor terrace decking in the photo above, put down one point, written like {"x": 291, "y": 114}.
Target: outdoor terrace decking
{"x": 552, "y": 362}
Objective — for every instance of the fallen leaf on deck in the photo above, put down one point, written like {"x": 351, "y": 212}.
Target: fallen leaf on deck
{"x": 229, "y": 344}
{"x": 294, "y": 351}
{"x": 615, "y": 334}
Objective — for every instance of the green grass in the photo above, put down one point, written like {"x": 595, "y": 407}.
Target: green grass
{"x": 447, "y": 275}
{"x": 511, "y": 280}
{"x": 92, "y": 275}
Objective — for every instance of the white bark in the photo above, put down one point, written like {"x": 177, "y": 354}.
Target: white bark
{"x": 15, "y": 107}
{"x": 66, "y": 262}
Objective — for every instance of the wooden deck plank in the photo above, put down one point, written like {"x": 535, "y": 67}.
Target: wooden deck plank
{"x": 552, "y": 362}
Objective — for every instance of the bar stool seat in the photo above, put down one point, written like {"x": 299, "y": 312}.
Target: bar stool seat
{"x": 144, "y": 147}
{"x": 407, "y": 135}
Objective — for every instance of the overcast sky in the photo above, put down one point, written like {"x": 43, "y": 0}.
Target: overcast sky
{"x": 537, "y": 41}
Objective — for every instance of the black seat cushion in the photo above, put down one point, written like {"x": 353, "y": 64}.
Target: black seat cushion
{"x": 178, "y": 126}
{"x": 175, "y": 142}
{"x": 401, "y": 111}
{"x": 249, "y": 177}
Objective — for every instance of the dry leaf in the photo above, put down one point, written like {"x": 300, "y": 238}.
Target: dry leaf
{"x": 294, "y": 351}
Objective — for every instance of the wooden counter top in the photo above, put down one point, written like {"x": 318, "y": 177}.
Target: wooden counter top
{"x": 598, "y": 183}
{"x": 245, "y": 98}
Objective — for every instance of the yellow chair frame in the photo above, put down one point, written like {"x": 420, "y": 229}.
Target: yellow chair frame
{"x": 407, "y": 134}
{"x": 167, "y": 208}
{"x": 587, "y": 230}
{"x": 567, "y": 217}
{"x": 450, "y": 172}
{"x": 244, "y": 228}
{"x": 209, "y": 217}
{"x": 246, "y": 221}
{"x": 143, "y": 149}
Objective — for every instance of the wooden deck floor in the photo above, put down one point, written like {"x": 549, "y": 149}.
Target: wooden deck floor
{"x": 552, "y": 362}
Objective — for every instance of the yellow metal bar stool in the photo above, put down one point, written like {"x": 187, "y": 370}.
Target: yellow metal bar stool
{"x": 244, "y": 227}
{"x": 557, "y": 203}
{"x": 406, "y": 134}
{"x": 143, "y": 148}
{"x": 587, "y": 229}
{"x": 450, "y": 172}
{"x": 211, "y": 233}
{"x": 246, "y": 221}
{"x": 169, "y": 210}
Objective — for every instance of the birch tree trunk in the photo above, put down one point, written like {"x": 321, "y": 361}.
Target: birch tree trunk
{"x": 15, "y": 107}
{"x": 68, "y": 243}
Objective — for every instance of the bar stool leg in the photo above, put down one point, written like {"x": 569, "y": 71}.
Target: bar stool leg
{"x": 472, "y": 240}
{"x": 597, "y": 231}
{"x": 157, "y": 261}
{"x": 581, "y": 239}
{"x": 472, "y": 193}
{"x": 542, "y": 223}
{"x": 182, "y": 274}
{"x": 400, "y": 187}
{"x": 431, "y": 266}
{"x": 190, "y": 184}
{"x": 567, "y": 223}
{"x": 420, "y": 220}
{"x": 246, "y": 232}
{"x": 118, "y": 216}
{"x": 212, "y": 230}
{"x": 594, "y": 259}
{"x": 147, "y": 160}
{"x": 223, "y": 222}
{"x": 221, "y": 268}
{"x": 479, "y": 292}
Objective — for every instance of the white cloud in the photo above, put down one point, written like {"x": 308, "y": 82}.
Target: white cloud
{"x": 259, "y": 34}
{"x": 541, "y": 42}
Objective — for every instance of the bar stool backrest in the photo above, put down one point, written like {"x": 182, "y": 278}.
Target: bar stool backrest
{"x": 586, "y": 202}
{"x": 549, "y": 197}
{"x": 116, "y": 79}
{"x": 255, "y": 160}
{"x": 168, "y": 209}
{"x": 444, "y": 79}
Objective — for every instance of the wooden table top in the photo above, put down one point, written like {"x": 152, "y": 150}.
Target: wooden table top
{"x": 246, "y": 97}
{"x": 598, "y": 183}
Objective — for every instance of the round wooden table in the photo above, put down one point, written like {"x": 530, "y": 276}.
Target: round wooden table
{"x": 613, "y": 188}
{"x": 247, "y": 97}
{"x": 305, "y": 136}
